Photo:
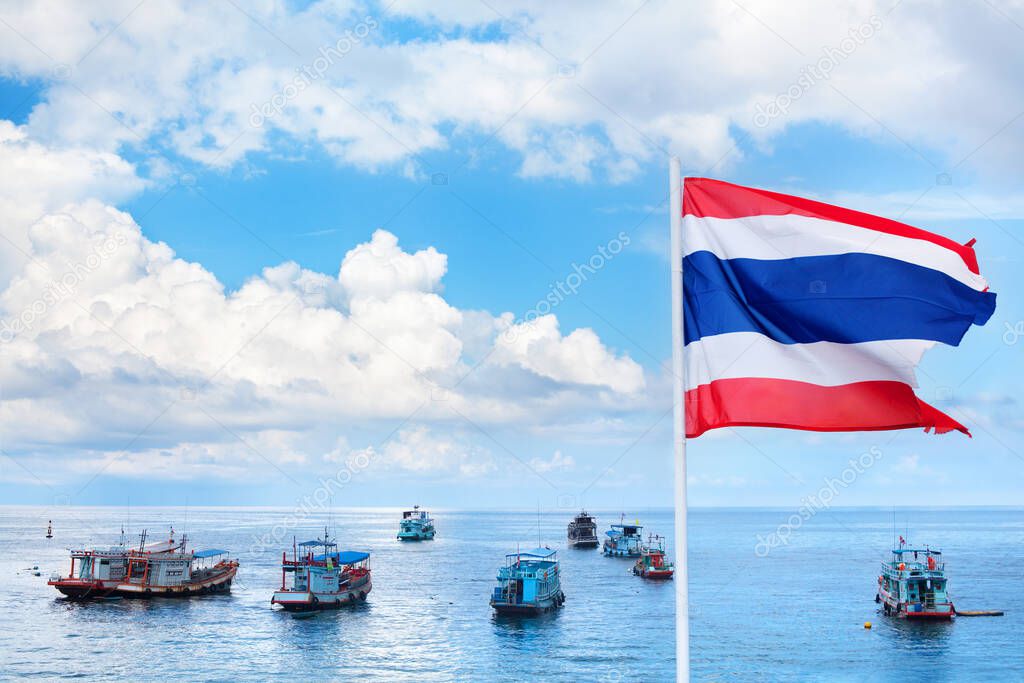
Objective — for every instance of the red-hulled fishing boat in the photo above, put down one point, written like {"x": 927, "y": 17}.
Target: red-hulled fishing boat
{"x": 164, "y": 569}
{"x": 653, "y": 564}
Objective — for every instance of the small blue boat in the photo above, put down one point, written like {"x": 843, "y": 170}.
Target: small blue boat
{"x": 912, "y": 585}
{"x": 529, "y": 583}
{"x": 416, "y": 525}
{"x": 624, "y": 540}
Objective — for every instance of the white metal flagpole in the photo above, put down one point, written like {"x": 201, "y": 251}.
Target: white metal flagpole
{"x": 679, "y": 429}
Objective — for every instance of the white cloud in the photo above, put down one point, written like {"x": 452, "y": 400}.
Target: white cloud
{"x": 556, "y": 463}
{"x": 380, "y": 268}
{"x": 116, "y": 346}
{"x": 573, "y": 89}
{"x": 579, "y": 357}
{"x": 37, "y": 179}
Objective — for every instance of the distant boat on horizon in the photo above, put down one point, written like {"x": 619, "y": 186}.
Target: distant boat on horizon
{"x": 416, "y": 525}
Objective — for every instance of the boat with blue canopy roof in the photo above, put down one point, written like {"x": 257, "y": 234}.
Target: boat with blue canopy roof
{"x": 322, "y": 577}
{"x": 529, "y": 583}
{"x": 624, "y": 540}
{"x": 912, "y": 585}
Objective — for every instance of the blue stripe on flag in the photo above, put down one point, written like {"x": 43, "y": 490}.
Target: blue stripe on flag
{"x": 844, "y": 298}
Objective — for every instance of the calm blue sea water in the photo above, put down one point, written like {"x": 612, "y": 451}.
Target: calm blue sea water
{"x": 796, "y": 613}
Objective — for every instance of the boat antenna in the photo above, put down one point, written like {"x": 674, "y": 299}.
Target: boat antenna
{"x": 538, "y": 523}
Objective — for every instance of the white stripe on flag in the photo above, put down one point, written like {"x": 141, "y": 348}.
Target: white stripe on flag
{"x": 751, "y": 354}
{"x": 781, "y": 237}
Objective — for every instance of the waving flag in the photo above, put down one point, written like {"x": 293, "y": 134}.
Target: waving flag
{"x": 803, "y": 315}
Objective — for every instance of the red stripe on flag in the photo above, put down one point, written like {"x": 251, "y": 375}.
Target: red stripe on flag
{"x": 708, "y": 198}
{"x": 759, "y": 402}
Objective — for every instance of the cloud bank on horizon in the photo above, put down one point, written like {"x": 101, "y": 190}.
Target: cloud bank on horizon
{"x": 103, "y": 326}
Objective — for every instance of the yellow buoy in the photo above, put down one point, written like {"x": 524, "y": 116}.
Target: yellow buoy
{"x": 867, "y": 624}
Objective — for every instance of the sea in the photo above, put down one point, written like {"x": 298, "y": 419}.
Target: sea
{"x": 775, "y": 595}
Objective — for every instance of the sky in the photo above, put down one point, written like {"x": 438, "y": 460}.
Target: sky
{"x": 411, "y": 252}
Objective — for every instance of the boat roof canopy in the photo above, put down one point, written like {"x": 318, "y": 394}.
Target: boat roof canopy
{"x": 536, "y": 552}
{"x": 212, "y": 552}
{"x": 899, "y": 551}
{"x": 343, "y": 557}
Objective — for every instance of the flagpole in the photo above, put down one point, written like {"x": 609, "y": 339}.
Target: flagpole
{"x": 679, "y": 426}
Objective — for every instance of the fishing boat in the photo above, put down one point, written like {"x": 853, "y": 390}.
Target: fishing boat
{"x": 623, "y": 540}
{"x": 168, "y": 569}
{"x": 583, "y": 531}
{"x": 49, "y": 529}
{"x": 163, "y": 569}
{"x": 416, "y": 525}
{"x": 322, "y": 577}
{"x": 529, "y": 583}
{"x": 912, "y": 585}
{"x": 652, "y": 563}
{"x": 95, "y": 573}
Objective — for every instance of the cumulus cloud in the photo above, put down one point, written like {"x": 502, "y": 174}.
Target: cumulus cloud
{"x": 38, "y": 178}
{"x": 571, "y": 97}
{"x": 578, "y": 357}
{"x": 117, "y": 347}
{"x": 418, "y": 449}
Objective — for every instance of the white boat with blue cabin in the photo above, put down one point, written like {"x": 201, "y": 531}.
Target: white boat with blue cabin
{"x": 416, "y": 525}
{"x": 322, "y": 576}
{"x": 912, "y": 585}
{"x": 624, "y": 540}
{"x": 529, "y": 583}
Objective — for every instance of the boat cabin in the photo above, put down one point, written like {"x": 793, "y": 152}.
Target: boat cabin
{"x": 530, "y": 581}
{"x": 99, "y": 565}
{"x": 913, "y": 583}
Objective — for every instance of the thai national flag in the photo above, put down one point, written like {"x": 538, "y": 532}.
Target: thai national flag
{"x": 803, "y": 315}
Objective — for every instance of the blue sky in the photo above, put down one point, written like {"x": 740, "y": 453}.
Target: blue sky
{"x": 514, "y": 197}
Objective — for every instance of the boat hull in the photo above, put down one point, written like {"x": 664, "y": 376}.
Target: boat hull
{"x": 531, "y": 608}
{"x": 655, "y": 574}
{"x": 299, "y": 601}
{"x": 216, "y": 583}
{"x": 76, "y": 589}
{"x": 929, "y": 616}
{"x": 583, "y": 543}
{"x": 610, "y": 551}
{"x": 415, "y": 535}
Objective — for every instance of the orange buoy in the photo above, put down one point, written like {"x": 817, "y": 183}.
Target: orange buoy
{"x": 867, "y": 625}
